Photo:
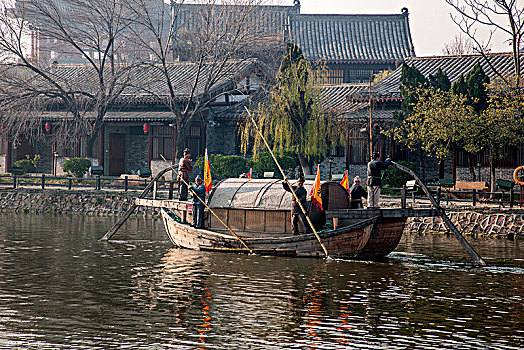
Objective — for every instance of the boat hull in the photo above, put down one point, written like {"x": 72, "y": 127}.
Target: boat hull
{"x": 369, "y": 239}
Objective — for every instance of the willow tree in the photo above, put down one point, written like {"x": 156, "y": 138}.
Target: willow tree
{"x": 292, "y": 118}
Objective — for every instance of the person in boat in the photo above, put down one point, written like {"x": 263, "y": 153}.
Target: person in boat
{"x": 375, "y": 168}
{"x": 356, "y": 193}
{"x": 184, "y": 169}
{"x": 296, "y": 212}
{"x": 198, "y": 202}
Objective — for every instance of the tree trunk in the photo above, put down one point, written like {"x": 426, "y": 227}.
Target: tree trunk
{"x": 421, "y": 164}
{"x": 306, "y": 170}
{"x": 89, "y": 145}
{"x": 492, "y": 173}
{"x": 471, "y": 162}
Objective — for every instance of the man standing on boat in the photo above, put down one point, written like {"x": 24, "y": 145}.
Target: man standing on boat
{"x": 375, "y": 168}
{"x": 296, "y": 212}
{"x": 184, "y": 169}
{"x": 356, "y": 193}
{"x": 198, "y": 202}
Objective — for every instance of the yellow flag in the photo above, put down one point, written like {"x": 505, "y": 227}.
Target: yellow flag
{"x": 345, "y": 181}
{"x": 207, "y": 174}
{"x": 316, "y": 197}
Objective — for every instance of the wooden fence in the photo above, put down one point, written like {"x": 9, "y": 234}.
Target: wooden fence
{"x": 98, "y": 183}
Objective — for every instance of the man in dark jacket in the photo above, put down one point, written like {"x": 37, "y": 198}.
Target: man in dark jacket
{"x": 356, "y": 193}
{"x": 198, "y": 204}
{"x": 375, "y": 168}
{"x": 184, "y": 169}
{"x": 296, "y": 212}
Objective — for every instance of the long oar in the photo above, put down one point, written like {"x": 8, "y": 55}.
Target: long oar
{"x": 210, "y": 210}
{"x": 287, "y": 182}
{"x": 132, "y": 208}
{"x": 474, "y": 255}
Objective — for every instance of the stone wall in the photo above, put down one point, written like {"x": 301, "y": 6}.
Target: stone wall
{"x": 508, "y": 223}
{"x": 61, "y": 201}
{"x": 221, "y": 137}
{"x": 137, "y": 152}
{"x": 463, "y": 174}
{"x": 159, "y": 165}
{"x": 3, "y": 159}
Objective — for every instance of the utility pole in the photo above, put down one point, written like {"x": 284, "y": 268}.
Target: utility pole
{"x": 370, "y": 121}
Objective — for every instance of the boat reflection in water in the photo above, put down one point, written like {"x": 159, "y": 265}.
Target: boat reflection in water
{"x": 273, "y": 302}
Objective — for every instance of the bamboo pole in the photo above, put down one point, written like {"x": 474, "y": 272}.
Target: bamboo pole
{"x": 287, "y": 182}
{"x": 474, "y": 255}
{"x": 210, "y": 210}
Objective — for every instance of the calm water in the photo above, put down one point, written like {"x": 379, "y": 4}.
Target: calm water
{"x": 61, "y": 288}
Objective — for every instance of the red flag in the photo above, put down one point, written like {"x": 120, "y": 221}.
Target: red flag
{"x": 316, "y": 197}
{"x": 250, "y": 174}
{"x": 208, "y": 181}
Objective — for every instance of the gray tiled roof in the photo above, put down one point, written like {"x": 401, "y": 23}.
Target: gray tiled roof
{"x": 266, "y": 18}
{"x": 453, "y": 66}
{"x": 352, "y": 38}
{"x": 333, "y": 99}
{"x": 145, "y": 84}
{"x": 115, "y": 116}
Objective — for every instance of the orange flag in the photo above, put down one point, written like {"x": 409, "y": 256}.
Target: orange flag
{"x": 345, "y": 181}
{"x": 316, "y": 198}
{"x": 207, "y": 174}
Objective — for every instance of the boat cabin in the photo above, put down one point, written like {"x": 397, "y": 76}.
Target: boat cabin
{"x": 262, "y": 205}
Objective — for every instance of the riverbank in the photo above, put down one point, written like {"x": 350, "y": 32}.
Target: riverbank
{"x": 494, "y": 222}
{"x": 491, "y": 221}
{"x": 89, "y": 202}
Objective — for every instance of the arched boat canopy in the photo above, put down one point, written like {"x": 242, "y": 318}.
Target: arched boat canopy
{"x": 263, "y": 194}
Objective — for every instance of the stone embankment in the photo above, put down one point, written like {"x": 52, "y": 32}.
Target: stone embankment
{"x": 61, "y": 201}
{"x": 486, "y": 221}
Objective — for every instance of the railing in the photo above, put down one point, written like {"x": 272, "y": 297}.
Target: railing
{"x": 96, "y": 182}
{"x": 475, "y": 197}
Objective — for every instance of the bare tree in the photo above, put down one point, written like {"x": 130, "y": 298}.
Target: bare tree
{"x": 459, "y": 45}
{"x": 505, "y": 16}
{"x": 212, "y": 35}
{"x": 90, "y": 31}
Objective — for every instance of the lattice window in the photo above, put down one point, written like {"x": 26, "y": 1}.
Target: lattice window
{"x": 162, "y": 140}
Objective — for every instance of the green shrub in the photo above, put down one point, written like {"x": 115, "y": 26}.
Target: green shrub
{"x": 77, "y": 166}
{"x": 394, "y": 177}
{"x": 26, "y": 165}
{"x": 223, "y": 167}
{"x": 263, "y": 162}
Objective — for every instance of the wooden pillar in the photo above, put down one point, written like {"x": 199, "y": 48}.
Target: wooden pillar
{"x": 174, "y": 158}
{"x": 150, "y": 146}
{"x": 348, "y": 148}
{"x": 9, "y": 156}
{"x": 101, "y": 148}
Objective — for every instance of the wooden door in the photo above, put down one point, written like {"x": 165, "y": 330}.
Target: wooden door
{"x": 117, "y": 154}
{"x": 25, "y": 148}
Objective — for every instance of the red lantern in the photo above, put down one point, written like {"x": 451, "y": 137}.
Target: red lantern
{"x": 47, "y": 127}
{"x": 145, "y": 128}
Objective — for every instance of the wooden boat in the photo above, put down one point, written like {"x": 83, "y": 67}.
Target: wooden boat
{"x": 258, "y": 211}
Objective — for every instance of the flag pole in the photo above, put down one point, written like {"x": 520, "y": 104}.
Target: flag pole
{"x": 287, "y": 182}
{"x": 210, "y": 210}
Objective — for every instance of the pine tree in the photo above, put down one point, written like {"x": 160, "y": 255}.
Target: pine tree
{"x": 410, "y": 80}
{"x": 439, "y": 81}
